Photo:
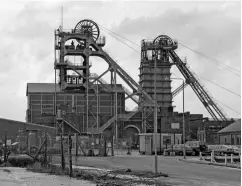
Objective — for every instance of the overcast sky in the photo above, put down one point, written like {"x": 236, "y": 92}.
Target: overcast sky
{"x": 212, "y": 28}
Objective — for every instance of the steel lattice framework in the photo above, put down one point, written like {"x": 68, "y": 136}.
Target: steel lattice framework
{"x": 87, "y": 34}
{"x": 201, "y": 93}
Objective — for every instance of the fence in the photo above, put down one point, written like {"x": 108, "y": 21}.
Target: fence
{"x": 54, "y": 149}
{"x": 101, "y": 146}
{"x": 80, "y": 146}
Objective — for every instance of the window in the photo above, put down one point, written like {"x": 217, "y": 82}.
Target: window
{"x": 167, "y": 140}
{"x": 238, "y": 140}
{"x": 232, "y": 140}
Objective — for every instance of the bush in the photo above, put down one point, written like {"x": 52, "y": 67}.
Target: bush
{"x": 20, "y": 160}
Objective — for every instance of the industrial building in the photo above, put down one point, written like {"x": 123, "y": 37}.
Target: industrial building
{"x": 14, "y": 129}
{"x": 81, "y": 102}
{"x": 41, "y": 104}
{"x": 231, "y": 135}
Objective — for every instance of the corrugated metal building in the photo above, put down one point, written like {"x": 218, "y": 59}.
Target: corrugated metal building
{"x": 41, "y": 104}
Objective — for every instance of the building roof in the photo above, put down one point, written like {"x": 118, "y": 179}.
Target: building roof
{"x": 12, "y": 127}
{"x": 2, "y": 120}
{"x": 50, "y": 88}
{"x": 42, "y": 87}
{"x": 233, "y": 127}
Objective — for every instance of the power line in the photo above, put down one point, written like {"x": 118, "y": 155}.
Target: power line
{"x": 122, "y": 42}
{"x": 227, "y": 106}
{"x": 118, "y": 35}
{"x": 213, "y": 60}
{"x": 220, "y": 86}
{"x": 182, "y": 45}
{"x": 205, "y": 56}
{"x": 208, "y": 57}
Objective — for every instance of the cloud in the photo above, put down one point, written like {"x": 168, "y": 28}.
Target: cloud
{"x": 27, "y": 39}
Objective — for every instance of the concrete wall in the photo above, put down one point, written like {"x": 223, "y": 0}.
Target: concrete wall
{"x": 230, "y": 138}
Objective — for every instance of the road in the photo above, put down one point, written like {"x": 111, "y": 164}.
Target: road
{"x": 178, "y": 171}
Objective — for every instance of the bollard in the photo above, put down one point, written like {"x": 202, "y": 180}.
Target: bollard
{"x": 212, "y": 156}
{"x": 239, "y": 158}
{"x": 200, "y": 155}
{"x": 231, "y": 161}
{"x": 225, "y": 162}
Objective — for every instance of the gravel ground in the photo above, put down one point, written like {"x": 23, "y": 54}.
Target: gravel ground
{"x": 12, "y": 176}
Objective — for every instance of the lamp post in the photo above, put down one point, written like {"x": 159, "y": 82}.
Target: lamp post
{"x": 183, "y": 117}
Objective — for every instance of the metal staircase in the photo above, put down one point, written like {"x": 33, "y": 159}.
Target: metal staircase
{"x": 107, "y": 124}
{"x": 178, "y": 90}
{"x": 123, "y": 117}
{"x": 70, "y": 123}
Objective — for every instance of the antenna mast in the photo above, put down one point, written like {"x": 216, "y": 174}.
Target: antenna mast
{"x": 62, "y": 17}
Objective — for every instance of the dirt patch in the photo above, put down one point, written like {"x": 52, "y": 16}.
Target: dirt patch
{"x": 111, "y": 178}
{"x": 146, "y": 174}
{"x": 6, "y": 170}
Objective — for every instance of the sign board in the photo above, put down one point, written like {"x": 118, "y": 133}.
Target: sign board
{"x": 175, "y": 125}
{"x": 9, "y": 142}
{"x": 97, "y": 141}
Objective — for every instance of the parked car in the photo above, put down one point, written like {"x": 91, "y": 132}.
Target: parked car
{"x": 178, "y": 149}
{"x": 220, "y": 149}
{"x": 197, "y": 146}
{"x": 236, "y": 149}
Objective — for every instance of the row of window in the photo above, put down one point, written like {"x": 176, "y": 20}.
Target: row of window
{"x": 50, "y": 97}
{"x": 36, "y": 105}
{"x": 70, "y": 109}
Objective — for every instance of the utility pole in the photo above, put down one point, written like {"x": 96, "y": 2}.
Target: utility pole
{"x": 62, "y": 149}
{"x": 76, "y": 144}
{"x": 155, "y": 113}
{"x": 183, "y": 120}
{"x": 70, "y": 155}
{"x": 45, "y": 150}
{"x": 183, "y": 116}
{"x": 5, "y": 148}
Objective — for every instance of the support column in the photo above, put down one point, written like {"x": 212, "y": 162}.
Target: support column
{"x": 144, "y": 120}
{"x": 116, "y": 104}
{"x": 87, "y": 91}
{"x": 97, "y": 109}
